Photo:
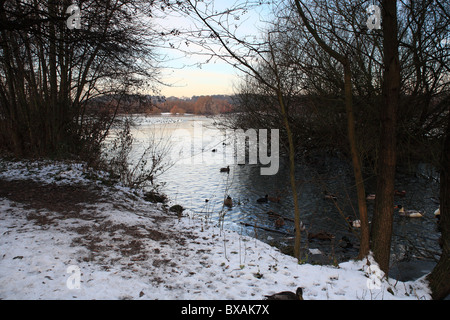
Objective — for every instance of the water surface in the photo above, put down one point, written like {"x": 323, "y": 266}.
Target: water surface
{"x": 195, "y": 182}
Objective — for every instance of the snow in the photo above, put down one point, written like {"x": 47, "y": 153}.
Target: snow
{"x": 131, "y": 249}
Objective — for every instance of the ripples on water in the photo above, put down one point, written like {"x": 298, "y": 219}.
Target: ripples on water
{"x": 195, "y": 178}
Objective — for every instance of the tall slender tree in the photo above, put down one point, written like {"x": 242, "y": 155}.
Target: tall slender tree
{"x": 382, "y": 222}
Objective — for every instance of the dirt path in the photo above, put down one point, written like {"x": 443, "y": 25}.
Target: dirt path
{"x": 84, "y": 212}
{"x": 63, "y": 199}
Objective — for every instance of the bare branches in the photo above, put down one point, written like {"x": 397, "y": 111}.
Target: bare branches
{"x": 51, "y": 72}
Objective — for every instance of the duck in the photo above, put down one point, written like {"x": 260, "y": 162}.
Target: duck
{"x": 214, "y": 150}
{"x": 329, "y": 196}
{"x": 437, "y": 214}
{"x": 228, "y": 202}
{"x": 227, "y": 169}
{"x": 408, "y": 213}
{"x": 287, "y": 295}
{"x": 345, "y": 243}
{"x": 354, "y": 223}
{"x": 371, "y": 196}
{"x": 400, "y": 193}
{"x": 279, "y": 222}
{"x": 263, "y": 200}
{"x": 302, "y": 227}
{"x": 177, "y": 209}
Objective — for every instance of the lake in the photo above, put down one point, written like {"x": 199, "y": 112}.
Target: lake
{"x": 199, "y": 151}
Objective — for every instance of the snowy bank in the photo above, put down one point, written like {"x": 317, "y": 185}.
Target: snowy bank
{"x": 115, "y": 245}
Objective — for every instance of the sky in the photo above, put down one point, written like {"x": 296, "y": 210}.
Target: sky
{"x": 189, "y": 75}
{"x": 209, "y": 79}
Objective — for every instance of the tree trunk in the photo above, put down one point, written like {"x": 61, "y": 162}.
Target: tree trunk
{"x": 439, "y": 278}
{"x": 384, "y": 204}
{"x": 359, "y": 181}
{"x": 52, "y": 119}
{"x": 297, "y": 223}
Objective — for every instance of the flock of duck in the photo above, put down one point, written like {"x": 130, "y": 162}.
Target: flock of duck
{"x": 298, "y": 295}
{"x": 229, "y": 201}
{"x": 401, "y": 210}
{"x": 280, "y": 221}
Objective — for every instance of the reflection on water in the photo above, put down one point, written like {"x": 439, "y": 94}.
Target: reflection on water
{"x": 196, "y": 183}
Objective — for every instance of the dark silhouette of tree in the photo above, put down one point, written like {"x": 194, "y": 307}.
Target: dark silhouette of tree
{"x": 49, "y": 72}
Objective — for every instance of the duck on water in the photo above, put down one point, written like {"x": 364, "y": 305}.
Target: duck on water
{"x": 228, "y": 202}
{"x": 408, "y": 213}
{"x": 263, "y": 200}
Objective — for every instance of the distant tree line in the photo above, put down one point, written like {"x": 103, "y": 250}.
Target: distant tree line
{"x": 154, "y": 105}
{"x": 125, "y": 104}
{"x": 205, "y": 105}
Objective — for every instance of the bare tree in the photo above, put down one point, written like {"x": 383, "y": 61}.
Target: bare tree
{"x": 344, "y": 59}
{"x": 49, "y": 73}
{"x": 382, "y": 222}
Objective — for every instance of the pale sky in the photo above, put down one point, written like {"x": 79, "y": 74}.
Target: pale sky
{"x": 184, "y": 74}
{"x": 212, "y": 78}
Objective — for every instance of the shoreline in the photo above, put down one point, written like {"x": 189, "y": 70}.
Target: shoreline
{"x": 128, "y": 248}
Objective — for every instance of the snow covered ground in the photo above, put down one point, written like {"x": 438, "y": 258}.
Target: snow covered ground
{"x": 123, "y": 247}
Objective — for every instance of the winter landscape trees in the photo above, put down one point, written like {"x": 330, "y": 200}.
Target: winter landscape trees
{"x": 319, "y": 71}
{"x": 49, "y": 72}
{"x": 327, "y": 54}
